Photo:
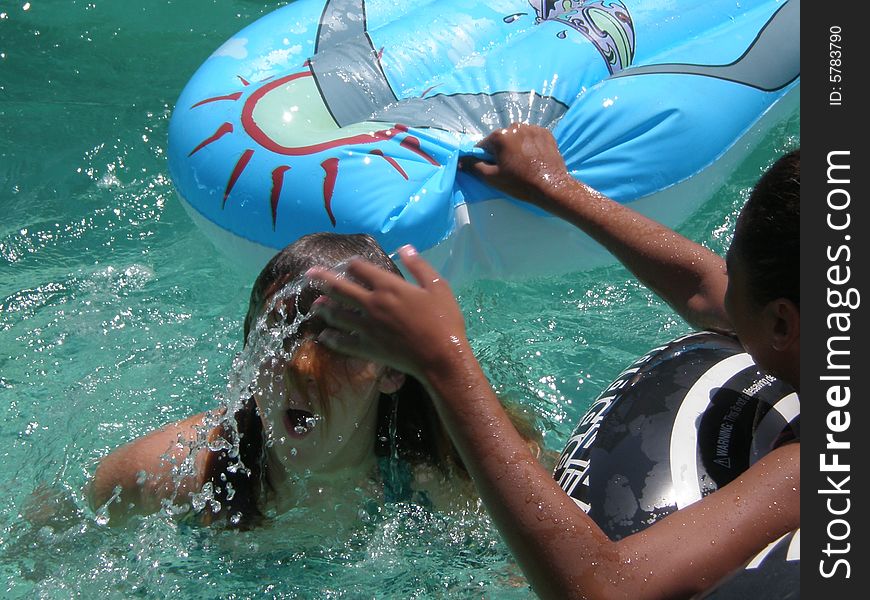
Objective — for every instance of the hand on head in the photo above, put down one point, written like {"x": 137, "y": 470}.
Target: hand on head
{"x": 380, "y": 316}
{"x": 527, "y": 162}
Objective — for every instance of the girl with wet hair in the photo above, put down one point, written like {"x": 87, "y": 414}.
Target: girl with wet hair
{"x": 311, "y": 425}
{"x": 406, "y": 421}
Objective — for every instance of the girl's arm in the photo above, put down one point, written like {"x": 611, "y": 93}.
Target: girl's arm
{"x": 143, "y": 473}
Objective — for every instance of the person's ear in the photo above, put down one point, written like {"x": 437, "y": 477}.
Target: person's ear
{"x": 785, "y": 319}
{"x": 391, "y": 381}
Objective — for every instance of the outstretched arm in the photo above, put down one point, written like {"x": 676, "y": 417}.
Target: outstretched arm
{"x": 689, "y": 277}
{"x": 419, "y": 329}
{"x": 139, "y": 475}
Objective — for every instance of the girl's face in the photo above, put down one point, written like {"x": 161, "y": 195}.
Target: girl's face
{"x": 318, "y": 408}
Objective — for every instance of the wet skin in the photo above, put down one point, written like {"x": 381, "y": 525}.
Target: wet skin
{"x": 564, "y": 554}
{"x": 326, "y": 439}
{"x": 419, "y": 329}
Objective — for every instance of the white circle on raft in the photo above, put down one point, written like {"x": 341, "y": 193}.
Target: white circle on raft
{"x": 684, "y": 436}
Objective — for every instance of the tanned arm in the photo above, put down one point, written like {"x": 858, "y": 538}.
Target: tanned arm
{"x": 147, "y": 471}
{"x": 689, "y": 277}
{"x": 564, "y": 554}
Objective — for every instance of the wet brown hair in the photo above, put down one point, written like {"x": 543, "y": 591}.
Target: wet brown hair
{"x": 407, "y": 421}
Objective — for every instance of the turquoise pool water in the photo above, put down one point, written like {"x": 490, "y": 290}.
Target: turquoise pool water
{"x": 117, "y": 315}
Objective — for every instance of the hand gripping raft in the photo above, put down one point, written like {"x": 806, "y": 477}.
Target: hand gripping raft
{"x": 682, "y": 421}
{"x": 350, "y": 116}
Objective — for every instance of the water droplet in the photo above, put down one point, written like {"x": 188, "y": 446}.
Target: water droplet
{"x": 562, "y": 34}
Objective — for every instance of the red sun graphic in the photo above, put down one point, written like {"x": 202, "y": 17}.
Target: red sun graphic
{"x": 288, "y": 117}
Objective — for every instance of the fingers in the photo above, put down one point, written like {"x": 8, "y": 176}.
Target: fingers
{"x": 370, "y": 275}
{"x": 374, "y": 277}
{"x": 421, "y": 270}
{"x": 338, "y": 287}
{"x": 493, "y": 143}
{"x": 337, "y": 316}
{"x": 342, "y": 335}
{"x": 340, "y": 341}
{"x": 479, "y": 167}
{"x": 511, "y": 138}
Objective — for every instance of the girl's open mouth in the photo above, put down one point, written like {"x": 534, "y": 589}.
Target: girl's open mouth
{"x": 298, "y": 422}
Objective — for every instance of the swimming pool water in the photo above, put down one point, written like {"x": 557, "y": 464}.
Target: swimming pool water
{"x": 117, "y": 315}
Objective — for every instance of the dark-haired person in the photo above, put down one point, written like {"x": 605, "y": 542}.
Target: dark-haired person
{"x": 418, "y": 329}
{"x": 317, "y": 425}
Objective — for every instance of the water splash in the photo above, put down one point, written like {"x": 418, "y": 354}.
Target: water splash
{"x": 272, "y": 338}
{"x": 394, "y": 466}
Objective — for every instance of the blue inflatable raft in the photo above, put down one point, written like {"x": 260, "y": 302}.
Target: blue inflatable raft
{"x": 350, "y": 116}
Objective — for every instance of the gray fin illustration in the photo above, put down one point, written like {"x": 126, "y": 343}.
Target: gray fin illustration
{"x": 340, "y": 21}
{"x": 354, "y": 87}
{"x": 346, "y": 66}
{"x": 764, "y": 65}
